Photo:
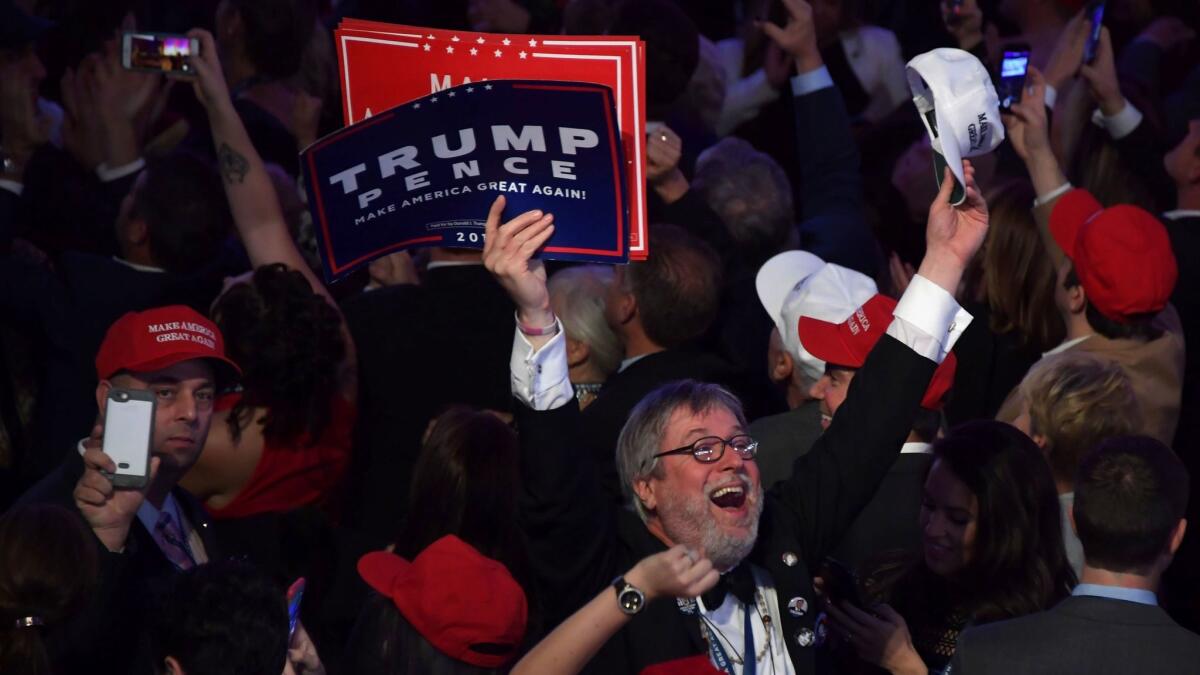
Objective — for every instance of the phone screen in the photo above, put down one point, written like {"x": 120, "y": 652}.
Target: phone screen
{"x": 1096, "y": 11}
{"x": 128, "y": 426}
{"x": 294, "y": 595}
{"x": 159, "y": 52}
{"x": 1012, "y": 76}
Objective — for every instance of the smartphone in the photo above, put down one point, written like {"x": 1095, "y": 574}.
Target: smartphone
{"x": 1013, "y": 67}
{"x": 1096, "y": 13}
{"x": 295, "y": 594}
{"x": 128, "y": 433}
{"x": 158, "y": 52}
{"x": 841, "y": 583}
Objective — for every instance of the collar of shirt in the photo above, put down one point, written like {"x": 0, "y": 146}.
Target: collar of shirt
{"x": 1181, "y": 213}
{"x": 148, "y": 514}
{"x": 729, "y": 620}
{"x": 914, "y": 448}
{"x": 140, "y": 268}
{"x": 1138, "y": 595}
{"x": 630, "y": 361}
{"x": 1065, "y": 346}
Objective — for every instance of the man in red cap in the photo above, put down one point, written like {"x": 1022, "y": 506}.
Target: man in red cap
{"x": 1116, "y": 273}
{"x": 890, "y": 519}
{"x": 144, "y": 535}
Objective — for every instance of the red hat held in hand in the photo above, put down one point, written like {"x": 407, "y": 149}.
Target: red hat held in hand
{"x": 1122, "y": 255}
{"x": 848, "y": 344}
{"x": 466, "y": 605}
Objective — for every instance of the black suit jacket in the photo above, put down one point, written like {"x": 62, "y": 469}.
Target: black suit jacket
{"x": 889, "y": 520}
{"x": 112, "y": 627}
{"x": 579, "y": 543}
{"x": 1082, "y": 634}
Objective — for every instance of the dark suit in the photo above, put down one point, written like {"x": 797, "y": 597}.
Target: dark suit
{"x": 784, "y": 437}
{"x": 889, "y": 522}
{"x": 578, "y": 543}
{"x": 113, "y": 624}
{"x": 1082, "y": 634}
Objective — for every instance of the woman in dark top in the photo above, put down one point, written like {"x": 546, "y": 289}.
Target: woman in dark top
{"x": 991, "y": 550}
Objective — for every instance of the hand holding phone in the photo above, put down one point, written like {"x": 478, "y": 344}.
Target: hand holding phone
{"x": 841, "y": 583}
{"x": 158, "y": 52}
{"x": 1095, "y": 12}
{"x": 1013, "y": 68}
{"x": 128, "y": 434}
{"x": 108, "y": 511}
{"x": 295, "y": 594}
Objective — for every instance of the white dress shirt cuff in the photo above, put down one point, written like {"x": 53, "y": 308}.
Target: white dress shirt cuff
{"x": 1052, "y": 195}
{"x": 813, "y": 80}
{"x": 12, "y": 186}
{"x": 1120, "y": 125}
{"x": 540, "y": 378}
{"x": 1051, "y": 97}
{"x": 107, "y": 173}
{"x": 929, "y": 320}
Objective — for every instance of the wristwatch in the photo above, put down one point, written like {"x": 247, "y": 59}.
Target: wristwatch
{"x": 629, "y": 598}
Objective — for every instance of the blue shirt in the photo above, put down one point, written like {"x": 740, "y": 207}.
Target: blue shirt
{"x": 1137, "y": 595}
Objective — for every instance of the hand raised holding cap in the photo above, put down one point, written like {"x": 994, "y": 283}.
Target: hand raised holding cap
{"x": 799, "y": 37}
{"x": 953, "y": 233}
{"x": 677, "y": 572}
{"x": 107, "y": 510}
{"x": 1101, "y": 77}
{"x": 508, "y": 254}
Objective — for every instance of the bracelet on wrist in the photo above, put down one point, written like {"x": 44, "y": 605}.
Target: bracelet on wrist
{"x": 535, "y": 331}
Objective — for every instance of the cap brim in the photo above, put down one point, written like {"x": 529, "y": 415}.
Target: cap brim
{"x": 225, "y": 371}
{"x": 1070, "y": 212}
{"x": 824, "y": 341}
{"x": 779, "y": 276}
{"x": 380, "y": 569}
{"x": 948, "y": 155}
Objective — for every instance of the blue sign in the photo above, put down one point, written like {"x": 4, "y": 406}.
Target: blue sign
{"x": 425, "y": 173}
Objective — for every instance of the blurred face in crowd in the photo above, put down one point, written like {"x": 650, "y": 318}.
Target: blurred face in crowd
{"x": 831, "y": 391}
{"x": 1183, "y": 161}
{"x": 712, "y": 507}
{"x": 183, "y": 395}
{"x": 22, "y": 63}
{"x": 949, "y": 514}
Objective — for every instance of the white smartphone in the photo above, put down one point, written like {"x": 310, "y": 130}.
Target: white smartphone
{"x": 128, "y": 433}
{"x": 158, "y": 52}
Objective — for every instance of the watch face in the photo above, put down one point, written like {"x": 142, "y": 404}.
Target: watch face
{"x": 631, "y": 600}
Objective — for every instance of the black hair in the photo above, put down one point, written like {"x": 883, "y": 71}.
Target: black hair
{"x": 1019, "y": 565}
{"x": 678, "y": 288}
{"x": 383, "y": 642}
{"x": 1130, "y": 493}
{"x": 1138, "y": 327}
{"x": 182, "y": 201}
{"x": 222, "y": 618}
{"x": 288, "y": 342}
{"x": 276, "y": 34}
{"x": 48, "y": 567}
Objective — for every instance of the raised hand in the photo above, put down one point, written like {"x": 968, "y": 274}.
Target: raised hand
{"x": 1068, "y": 51}
{"x": 209, "y": 81}
{"x": 508, "y": 254}
{"x": 108, "y": 511}
{"x": 675, "y": 573}
{"x": 953, "y": 233}
{"x": 1027, "y": 126}
{"x": 1101, "y": 77}
{"x": 799, "y": 37}
{"x": 22, "y": 127}
{"x": 663, "y": 150}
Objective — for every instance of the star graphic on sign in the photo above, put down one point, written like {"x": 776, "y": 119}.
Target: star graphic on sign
{"x": 470, "y": 90}
{"x": 506, "y": 42}
{"x": 451, "y": 94}
{"x": 430, "y": 37}
{"x": 416, "y": 105}
{"x": 426, "y": 47}
{"x": 498, "y": 53}
{"x": 488, "y": 87}
{"x": 479, "y": 40}
{"x": 533, "y": 43}
{"x": 522, "y": 54}
{"x": 449, "y": 49}
{"x": 474, "y": 51}
{"x": 433, "y": 100}
{"x": 454, "y": 38}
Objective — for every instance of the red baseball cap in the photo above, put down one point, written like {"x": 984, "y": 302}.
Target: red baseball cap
{"x": 466, "y": 605}
{"x": 848, "y": 344}
{"x": 161, "y": 337}
{"x": 1122, "y": 255}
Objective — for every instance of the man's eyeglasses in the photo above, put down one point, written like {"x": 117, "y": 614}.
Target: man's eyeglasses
{"x": 711, "y": 448}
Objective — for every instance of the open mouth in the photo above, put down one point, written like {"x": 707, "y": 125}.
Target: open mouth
{"x": 731, "y": 497}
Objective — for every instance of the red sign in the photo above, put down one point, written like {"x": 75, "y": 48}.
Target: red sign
{"x": 384, "y": 65}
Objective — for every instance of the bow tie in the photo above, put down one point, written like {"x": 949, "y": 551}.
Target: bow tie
{"x": 738, "y": 581}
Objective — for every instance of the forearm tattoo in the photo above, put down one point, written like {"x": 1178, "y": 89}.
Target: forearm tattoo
{"x": 233, "y": 165}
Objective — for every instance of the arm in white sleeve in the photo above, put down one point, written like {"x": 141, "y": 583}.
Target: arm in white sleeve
{"x": 108, "y": 173}
{"x": 1120, "y": 125}
{"x": 540, "y": 379}
{"x": 928, "y": 319}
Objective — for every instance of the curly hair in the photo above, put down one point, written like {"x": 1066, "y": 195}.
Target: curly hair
{"x": 288, "y": 342}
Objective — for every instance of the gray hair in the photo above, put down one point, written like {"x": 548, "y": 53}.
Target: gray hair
{"x": 751, "y": 194}
{"x": 641, "y": 437}
{"x": 577, "y": 297}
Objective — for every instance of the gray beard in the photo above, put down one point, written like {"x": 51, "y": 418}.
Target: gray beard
{"x": 689, "y": 522}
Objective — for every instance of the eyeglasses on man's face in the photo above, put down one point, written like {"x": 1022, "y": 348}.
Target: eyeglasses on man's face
{"x": 711, "y": 448}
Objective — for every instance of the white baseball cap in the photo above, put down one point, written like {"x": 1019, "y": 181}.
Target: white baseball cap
{"x": 954, "y": 95}
{"x": 796, "y": 283}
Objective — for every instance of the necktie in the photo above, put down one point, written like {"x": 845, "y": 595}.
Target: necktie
{"x": 171, "y": 542}
{"x": 738, "y": 581}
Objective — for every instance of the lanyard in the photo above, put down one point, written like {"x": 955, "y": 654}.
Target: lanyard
{"x": 749, "y": 662}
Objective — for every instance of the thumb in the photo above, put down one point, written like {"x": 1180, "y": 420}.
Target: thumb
{"x": 885, "y": 612}
{"x": 154, "y": 464}
{"x": 774, "y": 32}
{"x": 947, "y": 187}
